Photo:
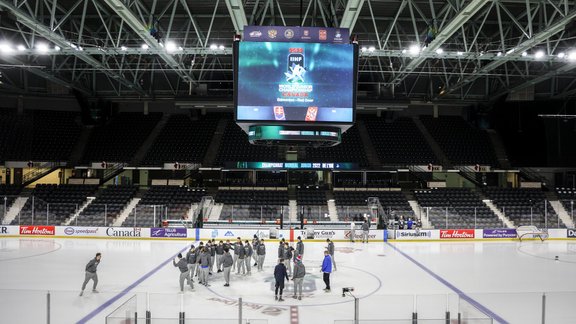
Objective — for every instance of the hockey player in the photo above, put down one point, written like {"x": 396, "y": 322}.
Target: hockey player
{"x": 212, "y": 256}
{"x": 241, "y": 265}
{"x": 227, "y": 262}
{"x": 248, "y": 259}
{"x": 219, "y": 254}
{"x": 237, "y": 245}
{"x": 300, "y": 247}
{"x": 330, "y": 249}
{"x": 191, "y": 260}
{"x": 288, "y": 254}
{"x": 261, "y": 252}
{"x": 255, "y": 243}
{"x": 182, "y": 264}
{"x": 204, "y": 262}
{"x": 298, "y": 277}
{"x": 281, "y": 247}
{"x": 365, "y": 231}
{"x": 279, "y": 275}
{"x": 91, "y": 273}
{"x": 326, "y": 270}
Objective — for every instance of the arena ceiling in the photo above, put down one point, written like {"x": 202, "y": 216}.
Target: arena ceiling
{"x": 484, "y": 49}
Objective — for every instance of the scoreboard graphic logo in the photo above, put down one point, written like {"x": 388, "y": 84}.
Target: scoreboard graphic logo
{"x": 295, "y": 67}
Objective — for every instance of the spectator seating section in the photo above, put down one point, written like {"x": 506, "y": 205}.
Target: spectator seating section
{"x": 236, "y": 148}
{"x": 465, "y": 208}
{"x": 399, "y": 143}
{"x": 120, "y": 139}
{"x": 8, "y": 194}
{"x": 182, "y": 140}
{"x": 524, "y": 206}
{"x": 352, "y": 205}
{"x": 107, "y": 206}
{"x": 160, "y": 202}
{"x": 313, "y": 202}
{"x": 351, "y": 149}
{"x": 37, "y": 135}
{"x": 567, "y": 197}
{"x": 52, "y": 204}
{"x": 469, "y": 147}
{"x": 252, "y": 204}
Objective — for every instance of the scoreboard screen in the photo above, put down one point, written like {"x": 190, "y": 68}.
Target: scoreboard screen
{"x": 295, "y": 82}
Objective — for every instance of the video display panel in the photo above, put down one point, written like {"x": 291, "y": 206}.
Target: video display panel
{"x": 295, "y": 82}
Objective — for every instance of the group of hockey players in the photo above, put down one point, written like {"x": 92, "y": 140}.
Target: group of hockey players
{"x": 199, "y": 261}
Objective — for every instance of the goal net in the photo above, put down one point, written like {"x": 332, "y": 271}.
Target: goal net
{"x": 531, "y": 232}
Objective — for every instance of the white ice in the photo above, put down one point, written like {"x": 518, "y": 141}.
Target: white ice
{"x": 506, "y": 278}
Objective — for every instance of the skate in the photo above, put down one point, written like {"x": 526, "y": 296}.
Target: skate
{"x": 81, "y": 293}
{"x": 95, "y": 291}
{"x": 280, "y": 299}
{"x": 226, "y": 285}
{"x": 299, "y": 297}
{"x": 275, "y": 297}
{"x": 294, "y": 297}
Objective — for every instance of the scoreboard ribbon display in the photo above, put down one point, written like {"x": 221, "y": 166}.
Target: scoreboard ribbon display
{"x": 292, "y": 165}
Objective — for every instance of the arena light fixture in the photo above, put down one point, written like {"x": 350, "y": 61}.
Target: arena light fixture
{"x": 221, "y": 47}
{"x": 57, "y": 48}
{"x": 572, "y": 56}
{"x": 414, "y": 49}
{"x": 561, "y": 55}
{"x": 145, "y": 46}
{"x": 459, "y": 53}
{"x": 524, "y": 54}
{"x": 123, "y": 48}
{"x": 539, "y": 54}
{"x": 6, "y": 48}
{"x": 21, "y": 47}
{"x": 213, "y": 47}
{"x": 439, "y": 51}
{"x": 364, "y": 49}
{"x": 371, "y": 49}
{"x": 42, "y": 48}
{"x": 170, "y": 46}
{"x": 499, "y": 54}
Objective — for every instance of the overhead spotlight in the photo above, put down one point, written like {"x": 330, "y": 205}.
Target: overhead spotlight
{"x": 6, "y": 48}
{"x": 439, "y": 51}
{"x": 561, "y": 55}
{"x": 524, "y": 54}
{"x": 572, "y": 56}
{"x": 539, "y": 54}
{"x": 221, "y": 47}
{"x": 57, "y": 48}
{"x": 145, "y": 46}
{"x": 404, "y": 51}
{"x": 42, "y": 47}
{"x": 371, "y": 48}
{"x": 80, "y": 48}
{"x": 213, "y": 47}
{"x": 180, "y": 48}
{"x": 459, "y": 53}
{"x": 414, "y": 49}
{"x": 170, "y": 46}
{"x": 510, "y": 51}
{"x": 123, "y": 48}
{"x": 364, "y": 49}
{"x": 21, "y": 47}
{"x": 499, "y": 54}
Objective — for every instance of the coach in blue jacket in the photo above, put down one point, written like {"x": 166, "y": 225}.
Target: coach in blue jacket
{"x": 327, "y": 269}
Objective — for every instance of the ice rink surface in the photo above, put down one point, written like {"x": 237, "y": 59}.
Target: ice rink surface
{"x": 501, "y": 280}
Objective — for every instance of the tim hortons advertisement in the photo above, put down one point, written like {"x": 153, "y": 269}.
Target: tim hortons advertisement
{"x": 36, "y": 230}
{"x": 457, "y": 234}
{"x": 499, "y": 233}
{"x": 411, "y": 235}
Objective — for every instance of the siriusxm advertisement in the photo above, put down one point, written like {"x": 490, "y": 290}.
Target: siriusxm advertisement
{"x": 306, "y": 82}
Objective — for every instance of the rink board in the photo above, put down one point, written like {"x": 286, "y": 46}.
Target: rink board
{"x": 291, "y": 235}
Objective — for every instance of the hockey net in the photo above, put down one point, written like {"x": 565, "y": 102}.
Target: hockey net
{"x": 531, "y": 232}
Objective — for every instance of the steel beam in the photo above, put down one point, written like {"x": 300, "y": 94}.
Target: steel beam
{"x": 447, "y": 31}
{"x": 140, "y": 29}
{"x": 236, "y": 10}
{"x": 44, "y": 31}
{"x": 538, "y": 38}
{"x": 351, "y": 13}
